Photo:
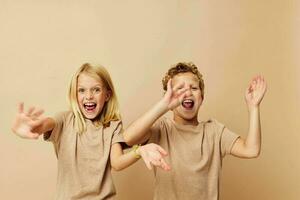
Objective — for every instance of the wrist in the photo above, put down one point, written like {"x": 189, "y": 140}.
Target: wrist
{"x": 162, "y": 106}
{"x": 136, "y": 150}
{"x": 252, "y": 107}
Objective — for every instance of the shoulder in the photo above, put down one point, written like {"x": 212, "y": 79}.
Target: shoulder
{"x": 213, "y": 125}
{"x": 114, "y": 126}
{"x": 66, "y": 114}
{"x": 164, "y": 122}
{"x": 64, "y": 117}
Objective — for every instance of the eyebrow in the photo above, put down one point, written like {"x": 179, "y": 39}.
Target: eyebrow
{"x": 98, "y": 85}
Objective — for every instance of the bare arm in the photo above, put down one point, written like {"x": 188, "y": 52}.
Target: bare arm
{"x": 139, "y": 131}
{"x": 31, "y": 124}
{"x": 150, "y": 153}
{"x": 251, "y": 146}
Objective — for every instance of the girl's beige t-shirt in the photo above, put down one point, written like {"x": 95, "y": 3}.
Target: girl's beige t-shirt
{"x": 195, "y": 156}
{"x": 84, "y": 170}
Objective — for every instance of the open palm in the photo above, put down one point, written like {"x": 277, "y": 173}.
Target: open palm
{"x": 256, "y": 91}
{"x": 153, "y": 154}
{"x": 28, "y": 124}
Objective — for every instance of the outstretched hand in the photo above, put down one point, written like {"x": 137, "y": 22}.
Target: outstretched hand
{"x": 28, "y": 124}
{"x": 153, "y": 155}
{"x": 174, "y": 95}
{"x": 256, "y": 91}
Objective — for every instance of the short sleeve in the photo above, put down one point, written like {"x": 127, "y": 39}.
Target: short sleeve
{"x": 53, "y": 136}
{"x": 155, "y": 131}
{"x": 117, "y": 132}
{"x": 227, "y": 138}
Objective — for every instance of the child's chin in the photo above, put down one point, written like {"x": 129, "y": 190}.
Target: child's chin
{"x": 90, "y": 116}
{"x": 188, "y": 117}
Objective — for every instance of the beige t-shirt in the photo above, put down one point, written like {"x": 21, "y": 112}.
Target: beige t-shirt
{"x": 84, "y": 170}
{"x": 195, "y": 156}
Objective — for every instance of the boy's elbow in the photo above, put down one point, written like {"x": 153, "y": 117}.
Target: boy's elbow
{"x": 253, "y": 154}
{"x": 128, "y": 140}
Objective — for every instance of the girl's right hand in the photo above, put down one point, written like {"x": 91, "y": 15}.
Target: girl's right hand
{"x": 174, "y": 95}
{"x": 153, "y": 155}
{"x": 28, "y": 124}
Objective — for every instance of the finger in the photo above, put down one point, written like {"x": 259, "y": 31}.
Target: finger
{"x": 265, "y": 86}
{"x": 181, "y": 91}
{"x": 168, "y": 93}
{"x": 161, "y": 150}
{"x": 35, "y": 123}
{"x": 178, "y": 86}
{"x": 148, "y": 164}
{"x": 164, "y": 165}
{"x": 169, "y": 85}
{"x": 21, "y": 107}
{"x": 30, "y": 110}
{"x": 38, "y": 113}
{"x": 31, "y": 135}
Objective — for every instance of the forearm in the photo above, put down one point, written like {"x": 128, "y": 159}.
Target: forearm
{"x": 138, "y": 130}
{"x": 253, "y": 140}
{"x": 48, "y": 125}
{"x": 120, "y": 159}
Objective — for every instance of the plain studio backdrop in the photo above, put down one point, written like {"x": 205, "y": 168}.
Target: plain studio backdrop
{"x": 42, "y": 43}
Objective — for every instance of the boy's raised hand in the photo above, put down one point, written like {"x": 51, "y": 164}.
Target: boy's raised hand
{"x": 256, "y": 91}
{"x": 28, "y": 124}
{"x": 174, "y": 95}
{"x": 153, "y": 155}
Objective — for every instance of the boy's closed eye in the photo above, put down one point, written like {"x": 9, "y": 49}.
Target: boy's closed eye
{"x": 97, "y": 89}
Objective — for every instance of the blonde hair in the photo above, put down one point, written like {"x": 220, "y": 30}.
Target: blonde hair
{"x": 183, "y": 67}
{"x": 110, "y": 111}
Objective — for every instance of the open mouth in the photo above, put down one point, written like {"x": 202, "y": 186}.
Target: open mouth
{"x": 89, "y": 107}
{"x": 188, "y": 104}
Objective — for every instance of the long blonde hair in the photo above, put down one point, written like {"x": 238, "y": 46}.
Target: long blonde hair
{"x": 110, "y": 111}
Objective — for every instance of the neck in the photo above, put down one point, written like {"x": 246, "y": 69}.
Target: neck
{"x": 194, "y": 121}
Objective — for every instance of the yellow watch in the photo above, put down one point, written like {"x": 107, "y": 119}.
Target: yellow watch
{"x": 134, "y": 149}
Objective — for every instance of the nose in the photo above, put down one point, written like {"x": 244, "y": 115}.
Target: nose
{"x": 89, "y": 95}
{"x": 188, "y": 92}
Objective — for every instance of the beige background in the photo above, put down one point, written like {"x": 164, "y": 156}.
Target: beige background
{"x": 43, "y": 42}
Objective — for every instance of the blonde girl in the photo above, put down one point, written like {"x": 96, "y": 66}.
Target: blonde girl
{"x": 87, "y": 139}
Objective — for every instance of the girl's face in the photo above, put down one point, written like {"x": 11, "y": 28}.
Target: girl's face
{"x": 91, "y": 95}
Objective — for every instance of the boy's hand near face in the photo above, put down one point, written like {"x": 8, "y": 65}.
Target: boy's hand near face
{"x": 174, "y": 95}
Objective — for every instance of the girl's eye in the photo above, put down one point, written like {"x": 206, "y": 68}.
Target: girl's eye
{"x": 195, "y": 88}
{"x": 81, "y": 90}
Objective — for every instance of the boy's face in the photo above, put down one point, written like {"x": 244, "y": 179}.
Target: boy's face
{"x": 91, "y": 95}
{"x": 187, "y": 111}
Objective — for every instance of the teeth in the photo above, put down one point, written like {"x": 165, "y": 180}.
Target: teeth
{"x": 187, "y": 101}
{"x": 89, "y": 104}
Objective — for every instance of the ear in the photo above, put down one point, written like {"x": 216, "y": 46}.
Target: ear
{"x": 108, "y": 95}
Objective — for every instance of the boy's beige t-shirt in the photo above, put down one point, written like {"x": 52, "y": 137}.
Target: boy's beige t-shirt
{"x": 84, "y": 170}
{"x": 195, "y": 156}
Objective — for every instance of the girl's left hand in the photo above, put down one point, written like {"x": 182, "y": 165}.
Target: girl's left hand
{"x": 256, "y": 91}
{"x": 154, "y": 154}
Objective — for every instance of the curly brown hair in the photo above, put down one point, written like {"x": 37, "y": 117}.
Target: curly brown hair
{"x": 183, "y": 67}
